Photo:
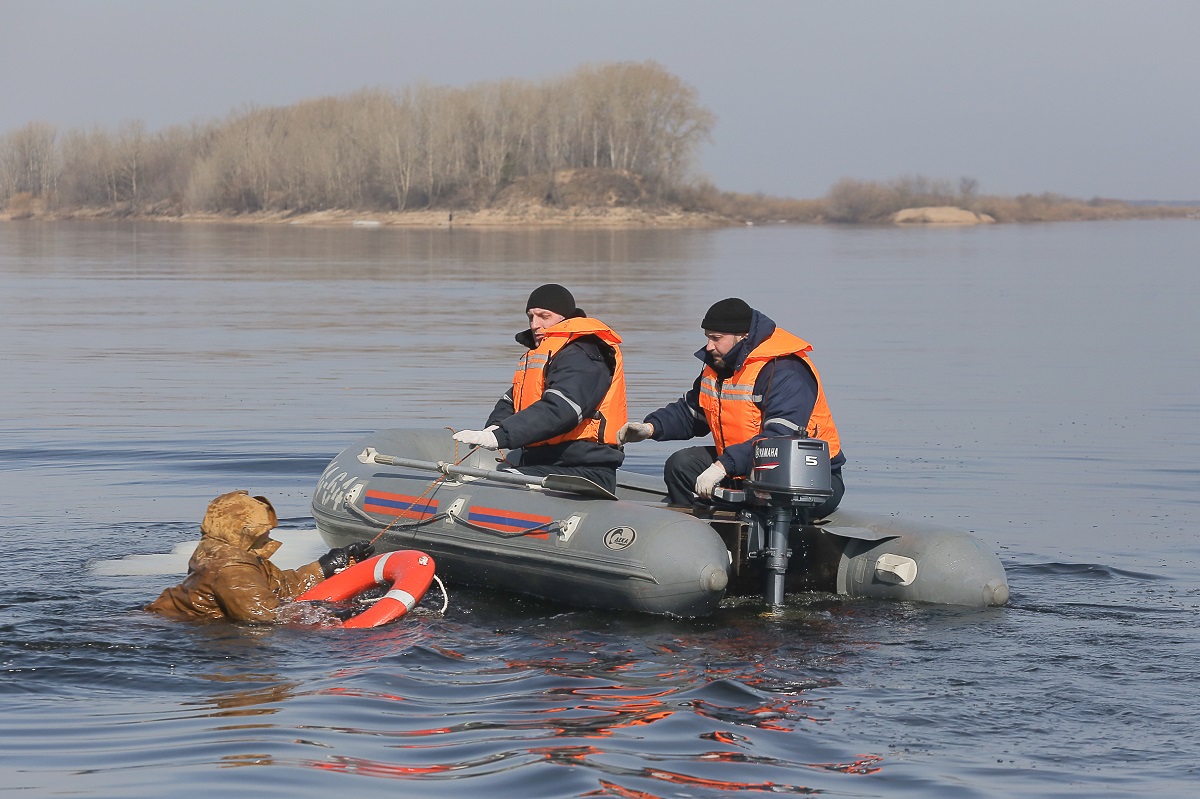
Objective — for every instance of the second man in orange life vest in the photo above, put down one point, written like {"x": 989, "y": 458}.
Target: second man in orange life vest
{"x": 757, "y": 381}
{"x": 567, "y": 399}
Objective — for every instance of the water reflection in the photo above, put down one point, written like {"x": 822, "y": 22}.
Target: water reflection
{"x": 617, "y": 779}
{"x": 255, "y": 701}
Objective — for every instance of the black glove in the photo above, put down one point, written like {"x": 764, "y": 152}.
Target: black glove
{"x": 337, "y": 559}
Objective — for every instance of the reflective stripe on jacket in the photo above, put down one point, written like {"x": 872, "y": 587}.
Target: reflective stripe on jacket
{"x": 529, "y": 381}
{"x": 730, "y": 406}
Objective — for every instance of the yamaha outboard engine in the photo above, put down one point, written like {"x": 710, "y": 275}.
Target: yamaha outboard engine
{"x": 790, "y": 478}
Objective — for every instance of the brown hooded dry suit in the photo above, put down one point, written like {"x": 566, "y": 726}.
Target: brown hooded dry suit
{"x": 230, "y": 575}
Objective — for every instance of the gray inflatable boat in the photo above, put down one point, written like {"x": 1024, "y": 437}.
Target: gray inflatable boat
{"x": 566, "y": 539}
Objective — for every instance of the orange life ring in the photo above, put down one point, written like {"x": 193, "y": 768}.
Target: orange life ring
{"x": 408, "y": 571}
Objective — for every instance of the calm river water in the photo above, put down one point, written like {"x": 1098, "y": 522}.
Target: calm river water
{"x": 1033, "y": 384}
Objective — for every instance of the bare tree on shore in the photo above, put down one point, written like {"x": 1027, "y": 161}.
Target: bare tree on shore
{"x": 28, "y": 162}
{"x": 423, "y": 146}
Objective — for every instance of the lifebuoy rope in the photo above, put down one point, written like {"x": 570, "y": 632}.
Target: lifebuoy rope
{"x": 445, "y": 594}
{"x": 441, "y": 585}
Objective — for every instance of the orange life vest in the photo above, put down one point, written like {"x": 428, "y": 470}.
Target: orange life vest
{"x": 729, "y": 406}
{"x": 529, "y": 381}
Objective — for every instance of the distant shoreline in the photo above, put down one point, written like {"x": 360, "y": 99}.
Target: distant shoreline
{"x": 620, "y": 218}
{"x": 612, "y": 218}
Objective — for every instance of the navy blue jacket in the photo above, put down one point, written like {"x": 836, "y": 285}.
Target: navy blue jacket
{"x": 576, "y": 380}
{"x": 787, "y": 386}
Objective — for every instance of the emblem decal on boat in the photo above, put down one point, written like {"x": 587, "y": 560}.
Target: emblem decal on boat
{"x": 619, "y": 537}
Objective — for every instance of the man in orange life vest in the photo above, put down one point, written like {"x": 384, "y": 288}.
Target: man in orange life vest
{"x": 567, "y": 399}
{"x": 757, "y": 381}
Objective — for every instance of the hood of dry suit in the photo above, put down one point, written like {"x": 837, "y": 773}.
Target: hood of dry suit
{"x": 242, "y": 521}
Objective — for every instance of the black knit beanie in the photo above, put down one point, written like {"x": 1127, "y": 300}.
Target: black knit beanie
{"x": 730, "y": 315}
{"x": 553, "y": 297}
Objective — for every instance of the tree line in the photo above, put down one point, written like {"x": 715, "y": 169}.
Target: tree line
{"x": 424, "y": 146}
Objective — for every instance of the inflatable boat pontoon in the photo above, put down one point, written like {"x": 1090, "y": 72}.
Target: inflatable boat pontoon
{"x": 566, "y": 539}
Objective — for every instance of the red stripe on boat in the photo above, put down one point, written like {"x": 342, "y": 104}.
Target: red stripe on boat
{"x": 508, "y": 521}
{"x": 401, "y": 505}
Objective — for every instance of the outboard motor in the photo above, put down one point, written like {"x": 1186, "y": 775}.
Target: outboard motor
{"x": 789, "y": 479}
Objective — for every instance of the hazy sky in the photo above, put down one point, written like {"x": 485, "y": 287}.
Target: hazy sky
{"x": 1082, "y": 97}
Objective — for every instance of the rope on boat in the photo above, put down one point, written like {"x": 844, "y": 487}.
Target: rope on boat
{"x": 556, "y": 525}
{"x": 364, "y": 515}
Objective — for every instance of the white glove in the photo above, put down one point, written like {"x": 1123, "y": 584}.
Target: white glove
{"x": 632, "y": 432}
{"x": 478, "y": 438}
{"x": 708, "y": 480}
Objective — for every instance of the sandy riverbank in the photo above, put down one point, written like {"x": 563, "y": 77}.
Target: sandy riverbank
{"x": 620, "y": 217}
{"x": 614, "y": 218}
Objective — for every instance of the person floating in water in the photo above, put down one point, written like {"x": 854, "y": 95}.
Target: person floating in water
{"x": 230, "y": 575}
